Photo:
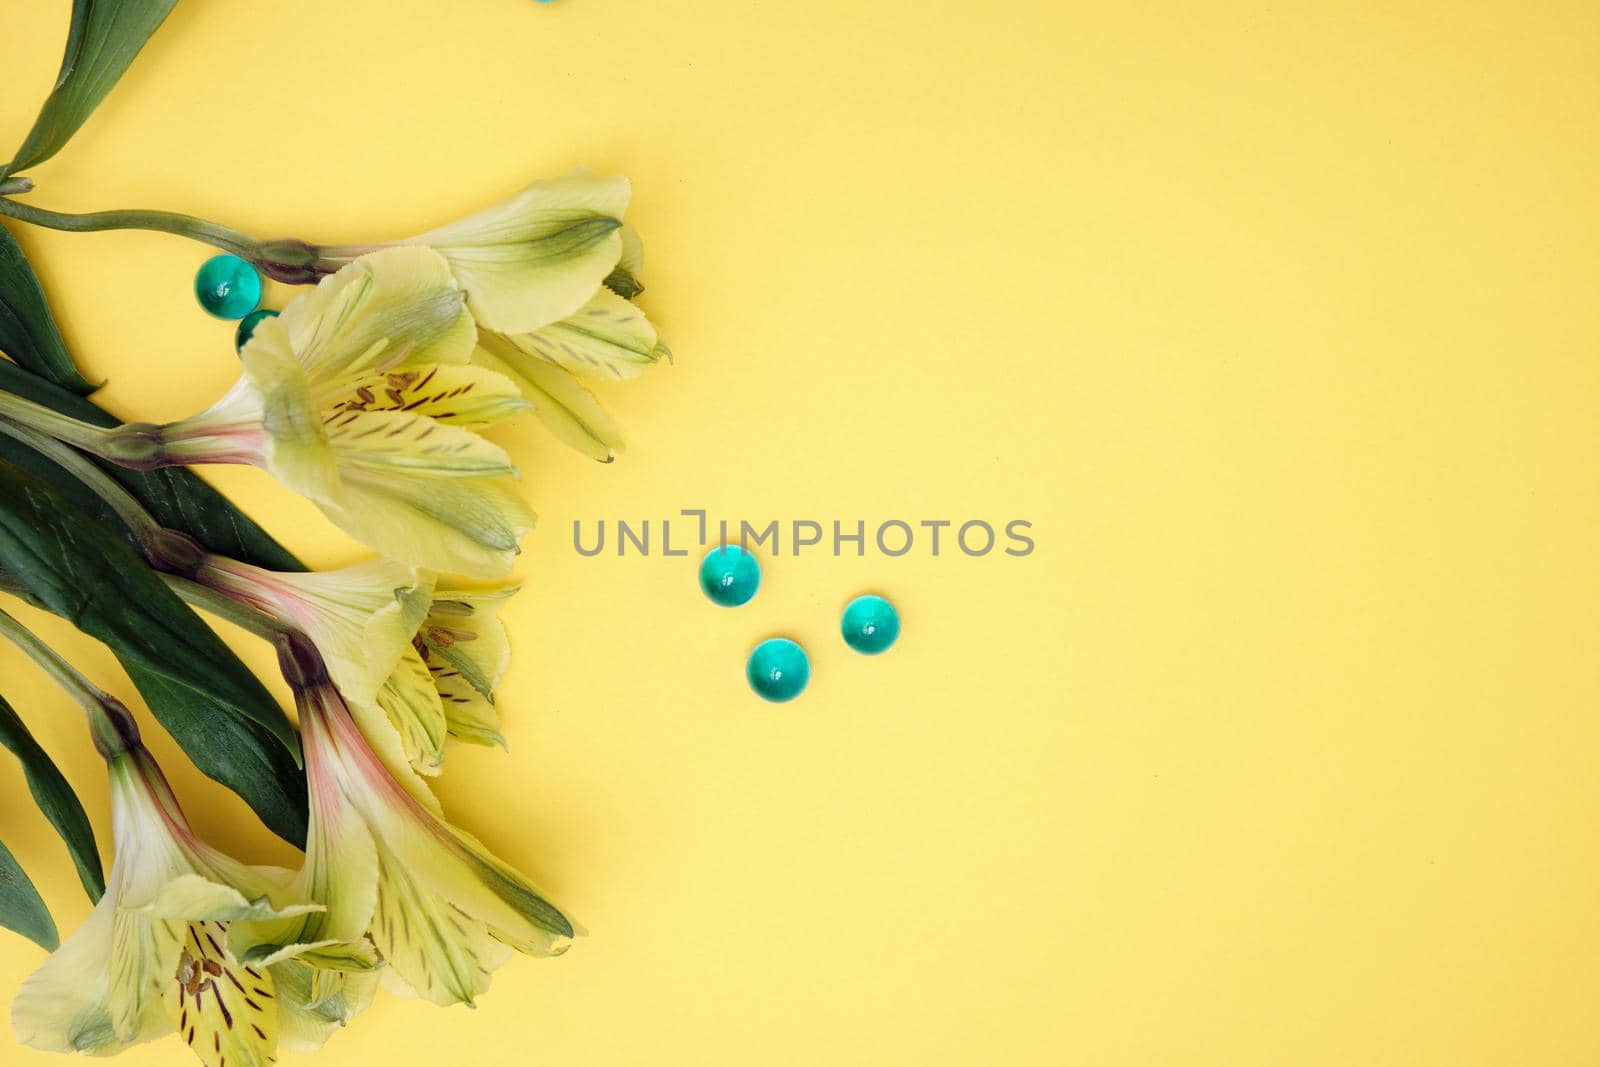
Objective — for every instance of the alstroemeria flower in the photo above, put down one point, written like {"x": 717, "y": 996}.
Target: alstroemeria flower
{"x": 549, "y": 275}
{"x": 426, "y": 652}
{"x": 155, "y": 955}
{"x": 441, "y": 909}
{"x": 360, "y": 396}
{"x": 533, "y": 259}
{"x": 362, "y": 619}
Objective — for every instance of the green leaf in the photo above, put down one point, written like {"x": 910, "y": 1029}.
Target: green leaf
{"x": 205, "y": 698}
{"x": 21, "y": 909}
{"x": 28, "y": 333}
{"x": 104, "y": 37}
{"x": 177, "y": 497}
{"x": 55, "y": 798}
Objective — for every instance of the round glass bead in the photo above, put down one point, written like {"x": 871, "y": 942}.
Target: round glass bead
{"x": 227, "y": 287}
{"x": 778, "y": 670}
{"x": 870, "y": 624}
{"x": 248, "y": 324}
{"x": 729, "y": 575}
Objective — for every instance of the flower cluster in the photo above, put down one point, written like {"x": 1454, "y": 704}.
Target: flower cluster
{"x": 167, "y": 948}
{"x": 367, "y": 396}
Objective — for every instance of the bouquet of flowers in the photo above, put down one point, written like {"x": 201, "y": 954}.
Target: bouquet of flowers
{"x": 366, "y": 395}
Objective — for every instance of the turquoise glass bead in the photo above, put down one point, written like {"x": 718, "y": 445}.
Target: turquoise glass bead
{"x": 227, "y": 287}
{"x": 778, "y": 670}
{"x": 248, "y": 324}
{"x": 870, "y": 624}
{"x": 729, "y": 575}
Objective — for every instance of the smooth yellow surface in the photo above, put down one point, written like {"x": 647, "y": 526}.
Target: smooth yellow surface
{"x": 1277, "y": 322}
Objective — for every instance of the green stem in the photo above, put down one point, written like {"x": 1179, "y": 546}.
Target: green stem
{"x": 211, "y": 233}
{"x": 167, "y": 550}
{"x": 171, "y": 553}
{"x": 225, "y": 607}
{"x": 16, "y": 185}
{"x": 65, "y": 674}
{"x": 109, "y": 721}
{"x": 143, "y": 526}
{"x": 284, "y": 259}
{"x": 139, "y": 446}
{"x": 47, "y": 421}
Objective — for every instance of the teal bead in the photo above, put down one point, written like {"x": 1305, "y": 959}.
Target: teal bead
{"x": 248, "y": 324}
{"x": 778, "y": 670}
{"x": 730, "y": 576}
{"x": 870, "y": 624}
{"x": 227, "y": 287}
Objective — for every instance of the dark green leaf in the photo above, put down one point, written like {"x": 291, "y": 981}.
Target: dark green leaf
{"x": 55, "y": 798}
{"x": 21, "y": 909}
{"x": 177, "y": 497}
{"x": 28, "y": 333}
{"x": 217, "y": 710}
{"x": 104, "y": 37}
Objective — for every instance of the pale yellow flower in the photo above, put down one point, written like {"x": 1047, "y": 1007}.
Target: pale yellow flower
{"x": 549, "y": 274}
{"x": 157, "y": 953}
{"x": 424, "y": 651}
{"x": 534, "y": 258}
{"x": 361, "y": 397}
{"x": 442, "y": 911}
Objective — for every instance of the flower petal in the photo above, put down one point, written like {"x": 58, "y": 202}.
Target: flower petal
{"x": 297, "y": 451}
{"x": 567, "y": 409}
{"x": 441, "y": 953}
{"x": 538, "y": 928}
{"x": 381, "y": 600}
{"x": 606, "y": 338}
{"x": 448, "y": 861}
{"x": 401, "y": 444}
{"x": 225, "y": 1011}
{"x": 456, "y": 393}
{"x": 445, "y": 905}
{"x": 463, "y": 629}
{"x": 193, "y": 897}
{"x": 465, "y": 648}
{"x": 144, "y": 957}
{"x": 382, "y": 737}
{"x": 471, "y": 526}
{"x": 64, "y": 1006}
{"x": 469, "y": 716}
{"x": 389, "y": 309}
{"x": 344, "y": 957}
{"x": 313, "y": 1003}
{"x": 361, "y": 618}
{"x": 340, "y": 871}
{"x": 411, "y": 702}
{"x": 535, "y": 258}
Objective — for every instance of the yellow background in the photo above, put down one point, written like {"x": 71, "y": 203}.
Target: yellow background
{"x": 1277, "y": 322}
